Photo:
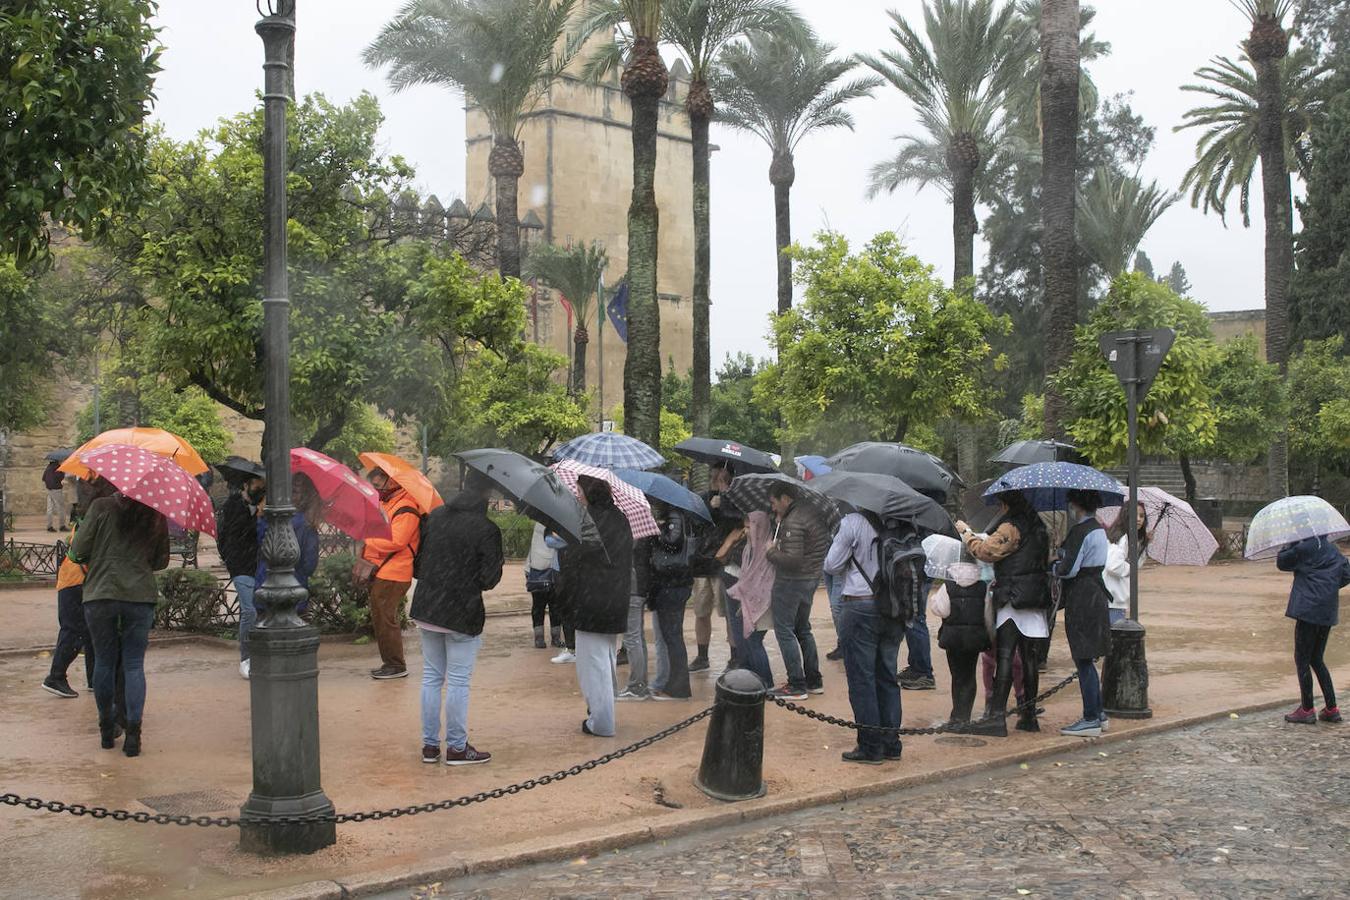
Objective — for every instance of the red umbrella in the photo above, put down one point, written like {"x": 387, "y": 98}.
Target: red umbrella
{"x": 350, "y": 504}
{"x": 158, "y": 482}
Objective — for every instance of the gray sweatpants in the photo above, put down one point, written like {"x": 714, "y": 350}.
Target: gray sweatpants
{"x": 595, "y": 675}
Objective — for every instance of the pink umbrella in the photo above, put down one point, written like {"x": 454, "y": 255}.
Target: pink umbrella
{"x": 630, "y": 501}
{"x": 1178, "y": 538}
{"x": 158, "y": 482}
{"x": 351, "y": 505}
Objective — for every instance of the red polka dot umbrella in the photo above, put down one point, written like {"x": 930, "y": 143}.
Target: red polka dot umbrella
{"x": 158, "y": 482}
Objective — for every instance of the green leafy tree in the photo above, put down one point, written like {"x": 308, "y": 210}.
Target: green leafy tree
{"x": 1251, "y": 401}
{"x": 504, "y": 55}
{"x": 1319, "y": 305}
{"x": 782, "y": 88}
{"x": 76, "y": 84}
{"x": 877, "y": 345}
{"x": 128, "y": 400}
{"x": 37, "y": 335}
{"x": 736, "y": 414}
{"x": 1114, "y": 213}
{"x": 1179, "y": 415}
{"x": 575, "y": 273}
{"x": 1319, "y": 407}
{"x": 364, "y": 431}
{"x": 1176, "y": 280}
{"x": 1143, "y": 264}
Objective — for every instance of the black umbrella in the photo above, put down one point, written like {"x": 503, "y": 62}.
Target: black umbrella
{"x": 1024, "y": 453}
{"x": 888, "y": 497}
{"x": 236, "y": 469}
{"x": 978, "y": 514}
{"x": 922, "y": 471}
{"x": 751, "y": 492}
{"x": 59, "y": 455}
{"x": 536, "y": 490}
{"x": 715, "y": 451}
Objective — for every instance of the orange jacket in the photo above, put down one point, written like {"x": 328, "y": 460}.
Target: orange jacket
{"x": 71, "y": 573}
{"x": 394, "y": 557}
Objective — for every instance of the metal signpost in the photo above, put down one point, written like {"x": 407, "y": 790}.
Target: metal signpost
{"x": 1135, "y": 356}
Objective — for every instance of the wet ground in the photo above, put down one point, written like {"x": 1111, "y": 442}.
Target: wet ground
{"x": 1248, "y": 808}
{"x": 1217, "y": 640}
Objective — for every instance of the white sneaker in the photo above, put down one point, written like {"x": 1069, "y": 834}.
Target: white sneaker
{"x": 243, "y": 669}
{"x": 567, "y": 656}
{"x": 627, "y": 696}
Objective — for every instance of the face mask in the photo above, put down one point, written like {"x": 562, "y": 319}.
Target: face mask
{"x": 256, "y": 495}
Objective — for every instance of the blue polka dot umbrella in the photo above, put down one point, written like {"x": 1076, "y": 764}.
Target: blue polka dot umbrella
{"x": 1291, "y": 520}
{"x": 1047, "y": 484}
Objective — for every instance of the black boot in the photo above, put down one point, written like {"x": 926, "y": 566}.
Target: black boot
{"x": 555, "y": 636}
{"x": 132, "y": 745}
{"x": 539, "y": 637}
{"x": 995, "y": 720}
{"x": 108, "y": 731}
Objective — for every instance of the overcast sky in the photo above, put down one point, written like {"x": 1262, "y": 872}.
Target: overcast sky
{"x": 212, "y": 67}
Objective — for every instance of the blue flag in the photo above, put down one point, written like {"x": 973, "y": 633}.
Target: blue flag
{"x": 618, "y": 311}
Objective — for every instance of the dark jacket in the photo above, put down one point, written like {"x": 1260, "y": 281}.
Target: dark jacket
{"x": 238, "y": 536}
{"x": 121, "y": 567}
{"x": 597, "y": 577}
{"x": 642, "y": 568}
{"x": 306, "y": 537}
{"x": 726, "y": 519}
{"x": 964, "y": 627}
{"x": 803, "y": 542}
{"x": 671, "y": 544}
{"x": 459, "y": 558}
{"x": 52, "y": 478}
{"x": 1320, "y": 571}
{"x": 1086, "y": 601}
{"x": 1021, "y": 579}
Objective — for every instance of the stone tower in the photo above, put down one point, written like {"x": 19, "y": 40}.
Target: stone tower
{"x": 578, "y": 180}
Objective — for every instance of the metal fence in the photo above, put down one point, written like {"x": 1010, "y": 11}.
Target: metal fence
{"x": 28, "y": 559}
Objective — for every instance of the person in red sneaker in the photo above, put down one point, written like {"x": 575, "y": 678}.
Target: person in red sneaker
{"x": 1320, "y": 571}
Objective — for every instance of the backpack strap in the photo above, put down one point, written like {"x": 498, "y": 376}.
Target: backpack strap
{"x": 402, "y": 510}
{"x": 870, "y": 586}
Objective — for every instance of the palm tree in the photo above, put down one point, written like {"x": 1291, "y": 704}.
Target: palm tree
{"x": 644, "y": 82}
{"x": 960, "y": 81}
{"x": 1060, "y": 77}
{"x": 1114, "y": 213}
{"x": 504, "y": 55}
{"x": 783, "y": 89}
{"x": 575, "y": 273}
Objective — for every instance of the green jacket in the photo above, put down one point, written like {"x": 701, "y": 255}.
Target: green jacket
{"x": 119, "y": 569}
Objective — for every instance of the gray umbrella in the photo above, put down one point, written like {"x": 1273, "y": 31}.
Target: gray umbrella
{"x": 60, "y": 454}
{"x": 922, "y": 471}
{"x": 1024, "y": 453}
{"x": 888, "y": 497}
{"x": 751, "y": 492}
{"x": 715, "y": 451}
{"x": 536, "y": 490}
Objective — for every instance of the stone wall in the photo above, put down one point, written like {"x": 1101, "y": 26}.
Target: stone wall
{"x": 1230, "y": 482}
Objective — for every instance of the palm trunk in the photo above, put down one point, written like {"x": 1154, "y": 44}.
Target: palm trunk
{"x": 1188, "y": 477}
{"x": 782, "y": 174}
{"x": 699, "y": 105}
{"x": 506, "y": 164}
{"x": 1279, "y": 244}
{"x": 579, "y": 341}
{"x": 1059, "y": 150}
{"x": 644, "y": 81}
{"x": 963, "y": 229}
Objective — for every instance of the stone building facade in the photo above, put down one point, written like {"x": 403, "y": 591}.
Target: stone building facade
{"x": 578, "y": 180}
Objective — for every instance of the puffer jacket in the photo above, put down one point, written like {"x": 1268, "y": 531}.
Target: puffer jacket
{"x": 460, "y": 557}
{"x": 1320, "y": 571}
{"x": 597, "y": 577}
{"x": 803, "y": 542}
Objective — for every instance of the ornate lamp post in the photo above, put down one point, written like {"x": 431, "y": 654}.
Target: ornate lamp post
{"x": 283, "y": 687}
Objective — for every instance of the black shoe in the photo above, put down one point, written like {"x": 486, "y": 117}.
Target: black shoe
{"x": 132, "y": 745}
{"x": 995, "y": 725}
{"x": 60, "y": 687}
{"x": 699, "y": 664}
{"x": 621, "y": 658}
{"x": 836, "y": 654}
{"x": 51, "y": 529}
{"x": 431, "y": 754}
{"x": 893, "y": 754}
{"x": 108, "y": 731}
{"x": 387, "y": 673}
{"x": 1028, "y": 723}
{"x": 858, "y": 756}
{"x": 586, "y": 728}
{"x": 919, "y": 683}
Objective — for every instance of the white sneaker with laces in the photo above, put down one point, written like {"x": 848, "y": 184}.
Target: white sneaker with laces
{"x": 244, "y": 669}
{"x": 567, "y": 656}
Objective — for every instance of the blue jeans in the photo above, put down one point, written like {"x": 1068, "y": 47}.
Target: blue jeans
{"x": 1117, "y": 615}
{"x": 834, "y": 589}
{"x": 672, "y": 658}
{"x": 916, "y": 639}
{"x": 791, "y": 605}
{"x": 119, "y": 628}
{"x": 1091, "y": 687}
{"x": 871, "y": 651}
{"x": 244, "y": 588}
{"x": 447, "y": 662}
{"x": 749, "y": 651}
{"x": 635, "y": 645}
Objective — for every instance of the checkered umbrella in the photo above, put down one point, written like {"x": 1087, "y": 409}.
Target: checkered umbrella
{"x": 158, "y": 482}
{"x": 630, "y": 501}
{"x": 1291, "y": 520}
{"x": 1178, "y": 538}
{"x": 1046, "y": 484}
{"x": 608, "y": 450}
{"x": 751, "y": 493}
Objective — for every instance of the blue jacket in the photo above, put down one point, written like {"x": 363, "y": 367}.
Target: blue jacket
{"x": 309, "y": 550}
{"x": 1320, "y": 571}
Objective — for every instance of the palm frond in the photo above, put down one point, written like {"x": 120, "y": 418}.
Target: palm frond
{"x": 1114, "y": 213}
{"x": 701, "y": 29}
{"x": 573, "y": 272}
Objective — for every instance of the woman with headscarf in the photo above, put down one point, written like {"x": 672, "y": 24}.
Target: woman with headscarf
{"x": 1087, "y": 622}
{"x": 753, "y": 592}
{"x": 1018, "y": 548}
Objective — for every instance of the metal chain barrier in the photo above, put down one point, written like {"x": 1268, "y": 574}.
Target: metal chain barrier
{"x": 124, "y": 815}
{"x": 937, "y": 729}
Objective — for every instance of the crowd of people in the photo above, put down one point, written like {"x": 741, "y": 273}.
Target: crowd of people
{"x": 757, "y": 572}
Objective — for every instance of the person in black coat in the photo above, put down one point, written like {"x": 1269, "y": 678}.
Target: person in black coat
{"x": 964, "y": 635}
{"x": 1320, "y": 571}
{"x": 597, "y": 578}
{"x": 459, "y": 557}
{"x": 671, "y": 585}
{"x": 237, "y": 541}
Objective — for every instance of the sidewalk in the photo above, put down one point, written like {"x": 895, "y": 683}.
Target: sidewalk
{"x": 1217, "y": 641}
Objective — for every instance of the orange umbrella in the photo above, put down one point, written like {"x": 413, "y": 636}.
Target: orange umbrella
{"x": 156, "y": 440}
{"x": 412, "y": 481}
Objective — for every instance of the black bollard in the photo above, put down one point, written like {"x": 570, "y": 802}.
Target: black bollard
{"x": 733, "y": 752}
{"x": 1125, "y": 673}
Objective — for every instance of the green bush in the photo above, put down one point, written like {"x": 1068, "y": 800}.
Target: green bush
{"x": 336, "y": 604}
{"x": 517, "y": 532}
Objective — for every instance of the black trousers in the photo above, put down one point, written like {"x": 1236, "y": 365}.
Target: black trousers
{"x": 1009, "y": 640}
{"x": 962, "y": 665}
{"x": 1310, "y": 643}
{"x": 72, "y": 636}
{"x": 545, "y": 601}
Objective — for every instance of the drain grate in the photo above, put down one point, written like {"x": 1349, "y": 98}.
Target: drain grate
{"x": 191, "y": 803}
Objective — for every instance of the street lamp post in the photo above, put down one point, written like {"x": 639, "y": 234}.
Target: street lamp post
{"x": 283, "y": 686}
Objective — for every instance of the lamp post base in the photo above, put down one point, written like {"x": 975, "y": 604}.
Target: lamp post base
{"x": 1125, "y": 673}
{"x": 269, "y": 838}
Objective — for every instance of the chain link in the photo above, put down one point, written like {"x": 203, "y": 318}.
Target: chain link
{"x": 936, "y": 729}
{"x": 123, "y": 815}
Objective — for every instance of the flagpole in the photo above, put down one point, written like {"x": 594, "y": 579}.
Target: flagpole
{"x": 600, "y": 343}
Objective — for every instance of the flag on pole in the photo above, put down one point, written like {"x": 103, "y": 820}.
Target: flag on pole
{"x": 618, "y": 311}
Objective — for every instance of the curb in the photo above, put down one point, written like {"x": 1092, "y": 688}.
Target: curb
{"x": 618, "y": 838}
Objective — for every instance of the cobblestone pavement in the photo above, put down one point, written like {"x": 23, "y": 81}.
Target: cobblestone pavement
{"x": 1246, "y": 808}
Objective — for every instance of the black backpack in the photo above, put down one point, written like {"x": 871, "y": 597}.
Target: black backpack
{"x": 899, "y": 587}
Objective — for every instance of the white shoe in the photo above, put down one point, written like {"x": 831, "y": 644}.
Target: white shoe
{"x": 567, "y": 656}
{"x": 627, "y": 696}
{"x": 244, "y": 669}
